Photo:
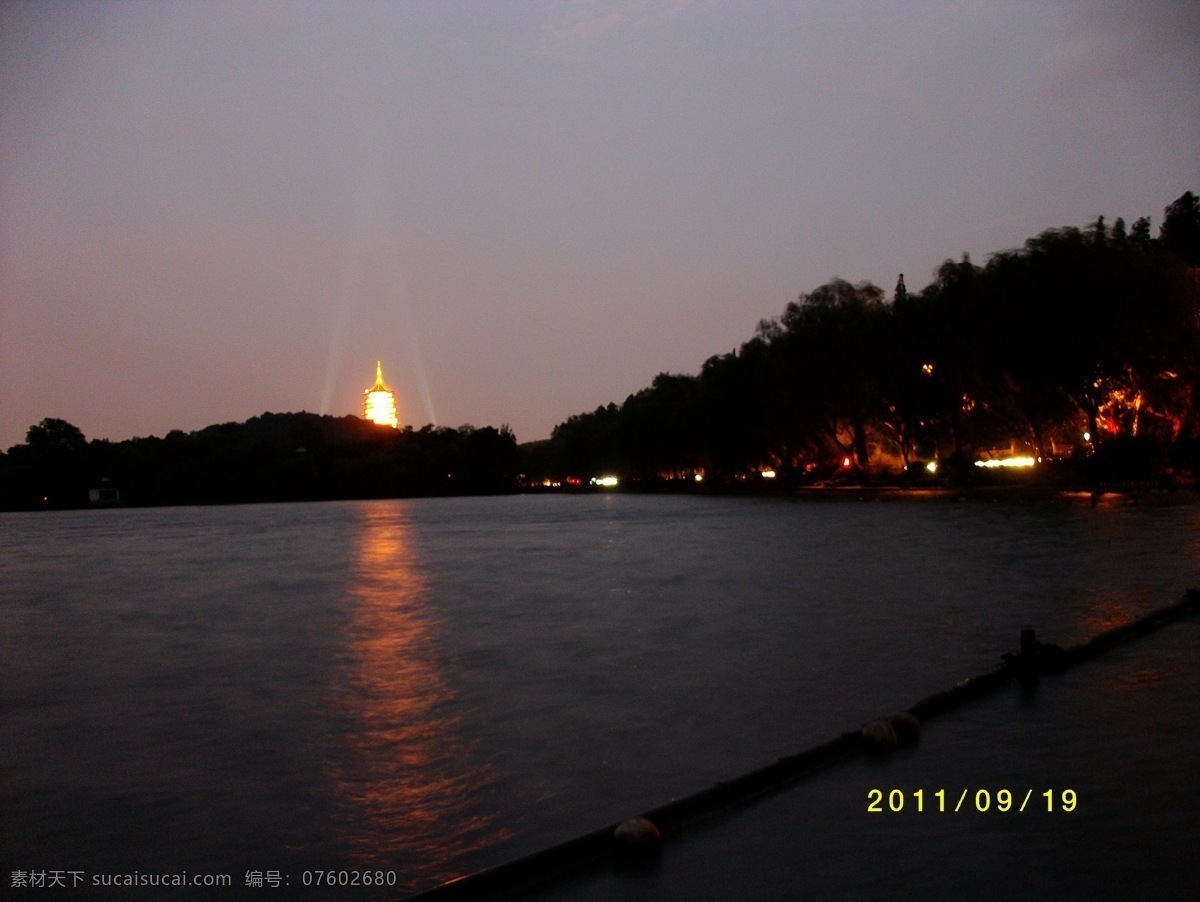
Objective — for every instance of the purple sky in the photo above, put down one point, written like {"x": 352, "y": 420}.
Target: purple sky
{"x": 525, "y": 209}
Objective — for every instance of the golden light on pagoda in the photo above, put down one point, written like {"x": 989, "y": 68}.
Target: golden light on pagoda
{"x": 379, "y": 402}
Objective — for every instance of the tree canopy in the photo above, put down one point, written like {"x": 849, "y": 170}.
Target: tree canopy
{"x": 1080, "y": 346}
{"x": 273, "y": 457}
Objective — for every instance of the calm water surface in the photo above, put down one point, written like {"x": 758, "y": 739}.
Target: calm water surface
{"x": 434, "y": 686}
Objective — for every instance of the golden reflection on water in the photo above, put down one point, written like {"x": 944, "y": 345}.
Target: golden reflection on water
{"x": 1145, "y": 678}
{"x": 1102, "y": 614}
{"x": 408, "y": 777}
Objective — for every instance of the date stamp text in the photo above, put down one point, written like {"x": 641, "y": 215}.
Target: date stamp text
{"x": 943, "y": 801}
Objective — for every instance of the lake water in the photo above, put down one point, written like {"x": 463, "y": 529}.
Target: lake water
{"x": 429, "y": 687}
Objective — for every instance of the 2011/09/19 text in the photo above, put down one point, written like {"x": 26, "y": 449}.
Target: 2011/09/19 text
{"x": 895, "y": 801}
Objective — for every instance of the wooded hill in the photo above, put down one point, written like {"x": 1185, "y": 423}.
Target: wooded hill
{"x": 1080, "y": 347}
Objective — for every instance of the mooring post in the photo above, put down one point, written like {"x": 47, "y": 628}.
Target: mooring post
{"x": 1028, "y": 642}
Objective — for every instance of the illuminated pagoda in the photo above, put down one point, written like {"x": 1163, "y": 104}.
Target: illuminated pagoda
{"x": 379, "y": 402}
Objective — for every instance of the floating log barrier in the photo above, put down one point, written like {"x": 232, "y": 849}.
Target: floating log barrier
{"x": 640, "y": 838}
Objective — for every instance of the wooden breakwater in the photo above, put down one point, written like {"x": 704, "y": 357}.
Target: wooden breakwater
{"x": 639, "y": 838}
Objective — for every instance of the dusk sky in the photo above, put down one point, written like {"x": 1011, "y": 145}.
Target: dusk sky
{"x": 525, "y": 209}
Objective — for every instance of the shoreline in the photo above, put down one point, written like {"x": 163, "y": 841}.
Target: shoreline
{"x": 1081, "y": 494}
{"x": 1105, "y": 496}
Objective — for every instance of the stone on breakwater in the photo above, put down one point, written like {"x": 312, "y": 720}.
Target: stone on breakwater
{"x": 906, "y": 727}
{"x": 637, "y": 836}
{"x": 879, "y": 736}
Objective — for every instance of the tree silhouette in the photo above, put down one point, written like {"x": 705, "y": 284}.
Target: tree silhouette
{"x": 1078, "y": 331}
{"x": 1180, "y": 233}
{"x": 53, "y": 436}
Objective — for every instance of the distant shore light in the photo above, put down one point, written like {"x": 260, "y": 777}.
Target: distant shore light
{"x": 1007, "y": 462}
